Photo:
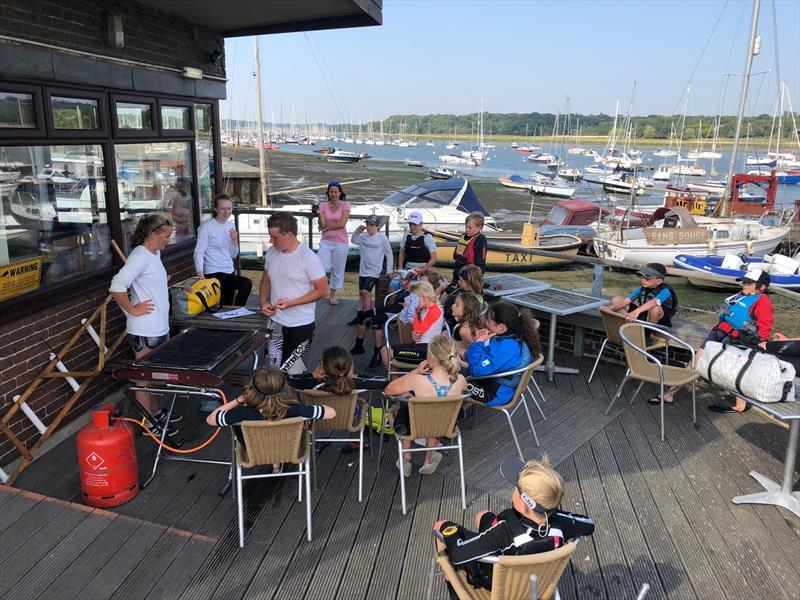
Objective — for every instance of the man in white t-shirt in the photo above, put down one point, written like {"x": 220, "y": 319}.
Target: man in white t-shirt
{"x": 293, "y": 280}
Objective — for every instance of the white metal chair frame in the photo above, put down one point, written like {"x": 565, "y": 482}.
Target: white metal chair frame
{"x": 320, "y": 398}
{"x": 401, "y": 451}
{"x": 627, "y": 341}
{"x": 387, "y": 342}
{"x": 607, "y": 340}
{"x": 522, "y": 401}
{"x": 303, "y": 473}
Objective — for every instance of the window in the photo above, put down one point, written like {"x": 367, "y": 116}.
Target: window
{"x": 53, "y": 218}
{"x": 204, "y": 148}
{"x": 75, "y": 113}
{"x": 175, "y": 117}
{"x": 131, "y": 115}
{"x": 17, "y": 110}
{"x": 155, "y": 177}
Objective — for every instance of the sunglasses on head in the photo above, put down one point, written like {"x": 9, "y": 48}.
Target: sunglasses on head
{"x": 166, "y": 222}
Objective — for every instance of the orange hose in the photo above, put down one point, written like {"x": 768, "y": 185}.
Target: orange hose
{"x": 176, "y": 450}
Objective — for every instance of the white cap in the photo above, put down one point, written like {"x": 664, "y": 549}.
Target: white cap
{"x": 415, "y": 218}
{"x": 756, "y": 276}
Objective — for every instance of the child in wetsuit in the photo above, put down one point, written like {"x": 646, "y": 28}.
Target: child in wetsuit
{"x": 533, "y": 524}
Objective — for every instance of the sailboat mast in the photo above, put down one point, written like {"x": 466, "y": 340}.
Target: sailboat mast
{"x": 780, "y": 118}
{"x": 262, "y": 158}
{"x": 752, "y": 49}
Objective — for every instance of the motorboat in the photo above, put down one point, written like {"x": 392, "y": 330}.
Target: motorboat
{"x": 452, "y": 159}
{"x": 570, "y": 174}
{"x": 726, "y": 270}
{"x": 623, "y": 183}
{"x": 543, "y": 157}
{"x": 544, "y": 186}
{"x": 662, "y": 173}
{"x": 693, "y": 170}
{"x": 678, "y": 232}
{"x": 572, "y": 217}
{"x": 343, "y": 156}
{"x": 442, "y": 173}
{"x": 789, "y": 176}
{"x": 515, "y": 182}
{"x": 444, "y": 205}
{"x": 409, "y": 162}
{"x": 665, "y": 152}
{"x": 761, "y": 161}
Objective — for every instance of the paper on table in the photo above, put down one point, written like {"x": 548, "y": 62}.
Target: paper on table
{"x": 230, "y": 314}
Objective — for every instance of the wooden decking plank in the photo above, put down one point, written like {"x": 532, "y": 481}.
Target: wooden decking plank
{"x": 699, "y": 455}
{"x": 616, "y": 572}
{"x": 388, "y": 565}
{"x": 631, "y": 533}
{"x": 655, "y": 529}
{"x": 700, "y": 501}
{"x": 13, "y": 509}
{"x": 582, "y": 579}
{"x": 53, "y": 564}
{"x": 369, "y": 538}
{"x": 109, "y": 578}
{"x": 301, "y": 569}
{"x": 450, "y": 510}
{"x": 333, "y": 560}
{"x": 91, "y": 559}
{"x": 261, "y": 566}
{"x": 197, "y": 501}
{"x": 416, "y": 566}
{"x": 20, "y": 532}
{"x": 182, "y": 568}
{"x": 7, "y": 493}
{"x": 23, "y": 557}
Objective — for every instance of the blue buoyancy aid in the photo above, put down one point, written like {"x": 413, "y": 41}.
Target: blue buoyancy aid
{"x": 739, "y": 313}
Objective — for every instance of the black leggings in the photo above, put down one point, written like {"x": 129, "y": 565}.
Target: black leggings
{"x": 410, "y": 353}
{"x": 235, "y": 289}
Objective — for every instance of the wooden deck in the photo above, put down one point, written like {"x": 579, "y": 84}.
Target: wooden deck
{"x": 663, "y": 511}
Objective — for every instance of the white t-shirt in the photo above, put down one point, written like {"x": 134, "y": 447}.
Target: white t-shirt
{"x": 290, "y": 276}
{"x": 146, "y": 278}
{"x": 214, "y": 252}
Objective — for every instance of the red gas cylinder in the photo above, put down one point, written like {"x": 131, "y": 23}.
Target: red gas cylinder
{"x": 107, "y": 460}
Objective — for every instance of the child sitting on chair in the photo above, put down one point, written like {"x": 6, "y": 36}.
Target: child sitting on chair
{"x": 266, "y": 397}
{"x": 439, "y": 377}
{"x": 532, "y": 525}
{"x": 654, "y": 301}
{"x": 467, "y": 314}
{"x": 509, "y": 342}
{"x": 427, "y": 322}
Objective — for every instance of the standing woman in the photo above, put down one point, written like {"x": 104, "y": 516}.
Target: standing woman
{"x": 333, "y": 216}
{"x": 217, "y": 246}
{"x": 140, "y": 289}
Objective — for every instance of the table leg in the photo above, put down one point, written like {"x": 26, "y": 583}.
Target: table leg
{"x": 550, "y": 364}
{"x": 778, "y": 495}
{"x": 164, "y": 431}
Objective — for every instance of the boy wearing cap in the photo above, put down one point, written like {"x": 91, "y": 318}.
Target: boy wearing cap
{"x": 418, "y": 250}
{"x": 472, "y": 246}
{"x": 373, "y": 248}
{"x": 654, "y": 301}
{"x": 747, "y": 321}
{"x": 533, "y": 524}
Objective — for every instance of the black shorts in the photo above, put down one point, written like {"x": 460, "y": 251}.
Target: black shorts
{"x": 665, "y": 321}
{"x": 140, "y": 342}
{"x": 410, "y": 353}
{"x": 367, "y": 283}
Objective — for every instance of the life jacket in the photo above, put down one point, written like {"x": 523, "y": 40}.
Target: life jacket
{"x": 415, "y": 249}
{"x": 432, "y": 315}
{"x": 738, "y": 315}
{"x": 465, "y": 251}
{"x": 647, "y": 294}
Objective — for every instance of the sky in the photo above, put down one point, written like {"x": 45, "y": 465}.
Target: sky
{"x": 443, "y": 56}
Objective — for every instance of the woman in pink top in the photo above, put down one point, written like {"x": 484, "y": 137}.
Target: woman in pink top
{"x": 333, "y": 216}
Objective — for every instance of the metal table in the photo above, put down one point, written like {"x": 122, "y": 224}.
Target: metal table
{"x": 779, "y": 494}
{"x": 498, "y": 286}
{"x": 193, "y": 363}
{"x": 206, "y": 320}
{"x": 557, "y": 303}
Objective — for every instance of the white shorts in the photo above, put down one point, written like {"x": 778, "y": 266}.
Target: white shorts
{"x": 334, "y": 259}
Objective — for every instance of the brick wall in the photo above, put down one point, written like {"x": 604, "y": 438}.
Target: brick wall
{"x": 25, "y": 352}
{"x": 151, "y": 36}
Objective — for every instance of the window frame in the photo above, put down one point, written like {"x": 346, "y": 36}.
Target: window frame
{"x": 116, "y": 132}
{"x": 173, "y": 133}
{"x": 38, "y": 112}
{"x": 102, "y": 113}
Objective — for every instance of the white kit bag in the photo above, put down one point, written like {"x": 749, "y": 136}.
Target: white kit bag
{"x": 747, "y": 372}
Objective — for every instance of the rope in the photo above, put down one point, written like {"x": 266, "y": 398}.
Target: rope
{"x": 170, "y": 448}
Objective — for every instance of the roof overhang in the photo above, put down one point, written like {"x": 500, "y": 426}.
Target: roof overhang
{"x": 235, "y": 18}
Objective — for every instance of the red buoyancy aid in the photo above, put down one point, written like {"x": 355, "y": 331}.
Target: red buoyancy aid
{"x": 468, "y": 251}
{"x": 433, "y": 314}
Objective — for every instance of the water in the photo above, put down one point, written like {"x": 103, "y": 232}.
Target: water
{"x": 503, "y": 161}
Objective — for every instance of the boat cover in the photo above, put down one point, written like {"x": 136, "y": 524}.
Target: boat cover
{"x": 456, "y": 191}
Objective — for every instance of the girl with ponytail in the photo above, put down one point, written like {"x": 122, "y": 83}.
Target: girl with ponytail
{"x": 509, "y": 342}
{"x": 438, "y": 376}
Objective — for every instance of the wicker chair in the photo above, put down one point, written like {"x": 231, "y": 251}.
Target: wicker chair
{"x": 612, "y": 321}
{"x": 432, "y": 418}
{"x": 646, "y": 368}
{"x": 268, "y": 442}
{"x": 518, "y": 399}
{"x": 512, "y": 575}
{"x": 346, "y": 419}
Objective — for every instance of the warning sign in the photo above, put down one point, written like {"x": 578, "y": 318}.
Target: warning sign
{"x": 95, "y": 460}
{"x": 19, "y": 277}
